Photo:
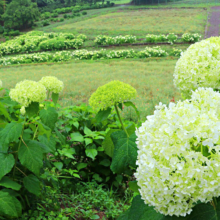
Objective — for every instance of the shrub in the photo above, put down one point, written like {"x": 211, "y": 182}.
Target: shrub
{"x": 61, "y": 19}
{"x": 187, "y": 37}
{"x": 45, "y": 23}
{"x": 75, "y": 10}
{"x": 46, "y": 15}
{"x": 1, "y": 30}
{"x": 77, "y": 14}
{"x": 65, "y": 16}
{"x": 84, "y": 13}
{"x": 54, "y": 15}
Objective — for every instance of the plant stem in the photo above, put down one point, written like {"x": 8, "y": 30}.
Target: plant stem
{"x": 214, "y": 202}
{"x": 119, "y": 117}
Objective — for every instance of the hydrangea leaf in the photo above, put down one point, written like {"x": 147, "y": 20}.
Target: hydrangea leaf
{"x": 32, "y": 109}
{"x": 10, "y": 133}
{"x": 55, "y": 97}
{"x": 9, "y": 205}
{"x": 7, "y": 162}
{"x": 103, "y": 114}
{"x": 125, "y": 151}
{"x": 31, "y": 156}
{"x": 131, "y": 104}
{"x": 49, "y": 145}
{"x": 32, "y": 184}
{"x": 4, "y": 112}
{"x": 49, "y": 117}
{"x": 8, "y": 183}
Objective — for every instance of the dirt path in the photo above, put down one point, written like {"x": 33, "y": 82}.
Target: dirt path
{"x": 214, "y": 21}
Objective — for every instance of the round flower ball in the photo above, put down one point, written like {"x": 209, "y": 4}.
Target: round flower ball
{"x": 110, "y": 94}
{"x": 52, "y": 84}
{"x": 179, "y": 154}
{"x": 199, "y": 66}
{"x": 28, "y": 91}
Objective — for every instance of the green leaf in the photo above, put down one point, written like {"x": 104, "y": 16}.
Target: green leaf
{"x": 75, "y": 124}
{"x": 107, "y": 144}
{"x": 10, "y": 133}
{"x": 43, "y": 129}
{"x": 9, "y": 205}
{"x": 31, "y": 156}
{"x": 130, "y": 129}
{"x": 119, "y": 178}
{"x": 55, "y": 97}
{"x": 125, "y": 152}
{"x": 68, "y": 152}
{"x": 88, "y": 141}
{"x": 76, "y": 136}
{"x": 50, "y": 145}
{"x": 3, "y": 111}
{"x": 32, "y": 184}
{"x": 81, "y": 166}
{"x": 103, "y": 115}
{"x": 129, "y": 103}
{"x": 105, "y": 162}
{"x": 49, "y": 117}
{"x": 32, "y": 109}
{"x": 87, "y": 131}
{"x": 7, "y": 162}
{"x": 58, "y": 165}
{"x": 133, "y": 186}
{"x": 92, "y": 153}
{"x": 8, "y": 183}
{"x": 60, "y": 137}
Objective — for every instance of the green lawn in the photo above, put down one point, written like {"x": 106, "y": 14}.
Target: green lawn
{"x": 119, "y": 21}
{"x": 153, "y": 79}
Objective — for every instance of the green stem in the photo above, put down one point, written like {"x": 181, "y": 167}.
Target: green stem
{"x": 119, "y": 117}
{"x": 35, "y": 132}
{"x": 214, "y": 202}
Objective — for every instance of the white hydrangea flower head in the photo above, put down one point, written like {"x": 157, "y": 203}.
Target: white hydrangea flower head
{"x": 22, "y": 110}
{"x": 52, "y": 84}
{"x": 199, "y": 66}
{"x": 28, "y": 91}
{"x": 179, "y": 154}
{"x": 0, "y": 84}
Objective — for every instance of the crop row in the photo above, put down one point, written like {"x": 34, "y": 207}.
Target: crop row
{"x": 87, "y": 55}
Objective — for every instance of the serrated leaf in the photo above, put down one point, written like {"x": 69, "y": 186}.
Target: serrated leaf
{"x": 125, "y": 151}
{"x": 103, "y": 115}
{"x": 32, "y": 109}
{"x": 76, "y": 136}
{"x": 32, "y": 184}
{"x": 9, "y": 134}
{"x": 88, "y": 141}
{"x": 31, "y": 156}
{"x": 8, "y": 183}
{"x": 58, "y": 165}
{"x": 50, "y": 145}
{"x": 107, "y": 144}
{"x": 87, "y": 131}
{"x": 55, "y": 97}
{"x": 49, "y": 117}
{"x": 7, "y": 162}
{"x": 9, "y": 205}
{"x": 43, "y": 129}
{"x": 130, "y": 129}
{"x": 129, "y": 103}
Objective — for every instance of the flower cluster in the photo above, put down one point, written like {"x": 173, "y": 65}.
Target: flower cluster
{"x": 179, "y": 154}
{"x": 110, "y": 94}
{"x": 152, "y": 52}
{"x": 170, "y": 38}
{"x": 176, "y": 52}
{"x": 199, "y": 66}
{"x": 187, "y": 37}
{"x": 28, "y": 91}
{"x": 106, "y": 40}
{"x": 52, "y": 84}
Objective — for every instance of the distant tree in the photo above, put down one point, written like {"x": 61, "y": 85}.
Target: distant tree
{"x": 20, "y": 14}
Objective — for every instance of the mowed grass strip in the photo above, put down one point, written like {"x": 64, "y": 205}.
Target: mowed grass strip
{"x": 153, "y": 79}
{"x": 142, "y": 22}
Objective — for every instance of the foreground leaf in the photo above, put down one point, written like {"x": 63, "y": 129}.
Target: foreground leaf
{"x": 32, "y": 109}
{"x": 9, "y": 205}
{"x": 10, "y": 133}
{"x": 8, "y": 183}
{"x": 7, "y": 162}
{"x": 125, "y": 152}
{"x": 32, "y": 184}
{"x": 49, "y": 117}
{"x": 103, "y": 114}
{"x": 31, "y": 156}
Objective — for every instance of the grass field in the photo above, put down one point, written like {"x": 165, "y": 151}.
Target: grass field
{"x": 153, "y": 79}
{"x": 136, "y": 22}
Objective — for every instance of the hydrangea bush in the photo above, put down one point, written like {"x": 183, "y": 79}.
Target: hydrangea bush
{"x": 199, "y": 66}
{"x": 179, "y": 154}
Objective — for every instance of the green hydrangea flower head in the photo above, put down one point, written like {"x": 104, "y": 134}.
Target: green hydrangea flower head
{"x": 198, "y": 67}
{"x": 28, "y": 91}
{"x": 179, "y": 154}
{"x": 52, "y": 84}
{"x": 22, "y": 110}
{"x": 110, "y": 94}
